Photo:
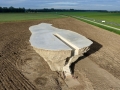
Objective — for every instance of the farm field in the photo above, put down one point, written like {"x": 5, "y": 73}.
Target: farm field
{"x": 22, "y": 68}
{"x": 112, "y": 19}
{"x": 10, "y": 17}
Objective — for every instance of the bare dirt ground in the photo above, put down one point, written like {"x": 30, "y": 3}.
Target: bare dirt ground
{"x": 21, "y": 68}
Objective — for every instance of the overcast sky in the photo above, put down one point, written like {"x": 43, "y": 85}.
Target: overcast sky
{"x": 64, "y": 4}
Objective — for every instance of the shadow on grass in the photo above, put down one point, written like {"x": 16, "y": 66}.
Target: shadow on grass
{"x": 93, "y": 48}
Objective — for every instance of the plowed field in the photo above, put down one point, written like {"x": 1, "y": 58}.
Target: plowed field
{"x": 21, "y": 68}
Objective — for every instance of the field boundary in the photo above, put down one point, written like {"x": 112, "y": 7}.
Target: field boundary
{"x": 97, "y": 23}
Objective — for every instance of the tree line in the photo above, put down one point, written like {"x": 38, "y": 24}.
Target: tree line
{"x": 11, "y": 9}
{"x": 62, "y": 10}
{"x": 23, "y": 10}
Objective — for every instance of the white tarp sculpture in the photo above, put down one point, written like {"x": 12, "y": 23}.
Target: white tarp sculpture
{"x": 58, "y": 47}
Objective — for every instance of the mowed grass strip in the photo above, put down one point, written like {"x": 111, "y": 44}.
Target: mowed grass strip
{"x": 101, "y": 26}
{"x": 9, "y": 17}
{"x": 111, "y": 17}
{"x": 107, "y": 16}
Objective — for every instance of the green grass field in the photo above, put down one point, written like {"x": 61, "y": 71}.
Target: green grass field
{"x": 9, "y": 17}
{"x": 108, "y": 17}
{"x": 111, "y": 19}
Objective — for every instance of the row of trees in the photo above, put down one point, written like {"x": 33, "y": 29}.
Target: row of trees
{"x": 12, "y": 9}
{"x": 61, "y": 10}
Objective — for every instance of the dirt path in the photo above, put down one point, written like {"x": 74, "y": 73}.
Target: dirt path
{"x": 22, "y": 68}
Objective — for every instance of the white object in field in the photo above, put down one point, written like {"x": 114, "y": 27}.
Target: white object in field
{"x": 103, "y": 21}
{"x": 58, "y": 47}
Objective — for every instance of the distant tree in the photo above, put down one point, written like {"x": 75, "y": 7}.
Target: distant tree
{"x": 71, "y": 9}
{"x": 11, "y": 9}
{"x": 52, "y": 9}
{"x": 0, "y": 9}
{"x": 5, "y": 9}
{"x": 21, "y": 9}
{"x": 45, "y": 10}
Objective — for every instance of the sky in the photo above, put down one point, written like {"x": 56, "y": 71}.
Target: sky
{"x": 109, "y": 5}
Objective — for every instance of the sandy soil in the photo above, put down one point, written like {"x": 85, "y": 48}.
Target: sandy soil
{"x": 22, "y": 68}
